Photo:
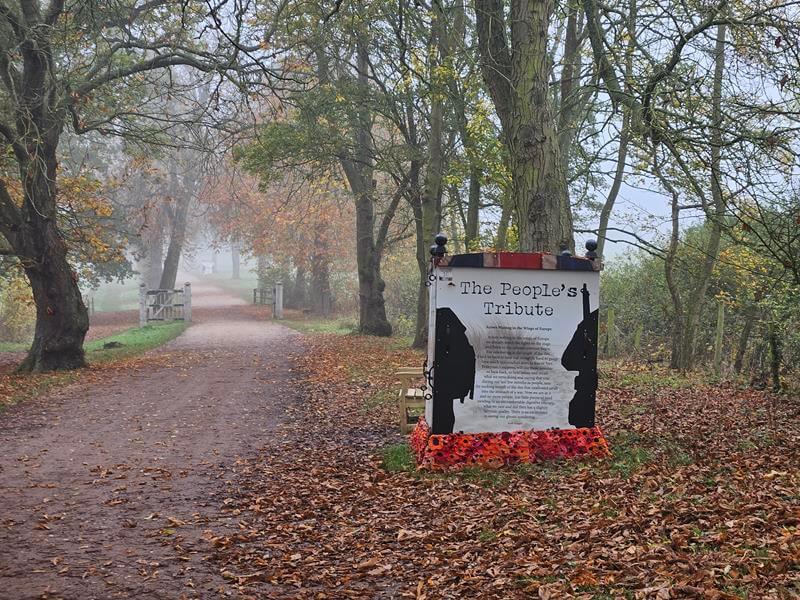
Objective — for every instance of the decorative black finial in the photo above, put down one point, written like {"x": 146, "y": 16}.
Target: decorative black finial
{"x": 564, "y": 246}
{"x": 591, "y": 246}
{"x": 438, "y": 248}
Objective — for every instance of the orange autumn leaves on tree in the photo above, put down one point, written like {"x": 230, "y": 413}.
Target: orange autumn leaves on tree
{"x": 290, "y": 221}
{"x": 86, "y": 221}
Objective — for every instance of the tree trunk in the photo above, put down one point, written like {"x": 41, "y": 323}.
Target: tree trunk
{"x": 177, "y": 234}
{"x": 428, "y": 212}
{"x": 624, "y": 136}
{"x": 608, "y": 205}
{"x": 320, "y": 286}
{"x": 423, "y": 258}
{"x": 31, "y": 227}
{"x": 501, "y": 242}
{"x": 155, "y": 257}
{"x": 61, "y": 317}
{"x": 299, "y": 296}
{"x": 694, "y": 306}
{"x": 432, "y": 194}
{"x": 372, "y": 308}
{"x": 472, "y": 229}
{"x": 458, "y": 100}
{"x": 669, "y": 270}
{"x": 170, "y": 271}
{"x": 744, "y": 338}
{"x": 357, "y": 162}
{"x": 320, "y": 275}
{"x": 517, "y": 76}
{"x": 688, "y": 311}
{"x": 775, "y": 357}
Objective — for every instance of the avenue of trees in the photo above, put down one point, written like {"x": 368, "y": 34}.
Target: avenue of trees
{"x": 334, "y": 136}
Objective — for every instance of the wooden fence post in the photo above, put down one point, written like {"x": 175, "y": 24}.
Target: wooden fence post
{"x": 277, "y": 311}
{"x": 718, "y": 338}
{"x": 142, "y": 305}
{"x": 187, "y": 302}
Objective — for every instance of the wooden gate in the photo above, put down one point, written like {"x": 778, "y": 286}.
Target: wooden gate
{"x": 165, "y": 305}
{"x": 263, "y": 297}
{"x": 270, "y": 297}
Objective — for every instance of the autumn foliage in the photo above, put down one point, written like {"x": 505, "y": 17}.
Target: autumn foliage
{"x": 699, "y": 499}
{"x": 298, "y": 225}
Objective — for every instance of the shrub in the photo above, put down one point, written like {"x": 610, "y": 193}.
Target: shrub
{"x": 17, "y": 310}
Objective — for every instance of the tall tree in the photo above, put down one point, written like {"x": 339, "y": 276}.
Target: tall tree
{"x": 516, "y": 66}
{"x": 58, "y": 62}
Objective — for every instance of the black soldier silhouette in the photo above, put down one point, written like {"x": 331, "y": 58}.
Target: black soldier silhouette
{"x": 581, "y": 355}
{"x": 453, "y": 369}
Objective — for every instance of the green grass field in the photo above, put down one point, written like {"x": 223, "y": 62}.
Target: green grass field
{"x": 133, "y": 341}
{"x": 337, "y": 325}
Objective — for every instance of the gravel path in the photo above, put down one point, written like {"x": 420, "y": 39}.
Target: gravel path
{"x": 112, "y": 488}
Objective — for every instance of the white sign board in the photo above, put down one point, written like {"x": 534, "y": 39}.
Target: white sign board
{"x": 507, "y": 347}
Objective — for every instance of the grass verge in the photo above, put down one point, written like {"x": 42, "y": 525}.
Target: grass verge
{"x": 648, "y": 379}
{"x": 14, "y": 346}
{"x": 335, "y": 325}
{"x": 19, "y": 387}
{"x": 397, "y": 458}
{"x": 132, "y": 341}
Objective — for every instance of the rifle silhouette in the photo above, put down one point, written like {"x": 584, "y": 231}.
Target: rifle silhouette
{"x": 581, "y": 355}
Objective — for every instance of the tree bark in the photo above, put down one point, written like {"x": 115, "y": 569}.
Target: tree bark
{"x": 697, "y": 299}
{"x": 32, "y": 134}
{"x": 744, "y": 337}
{"x": 61, "y": 317}
{"x": 359, "y": 172}
{"x": 669, "y": 268}
{"x": 358, "y": 165}
{"x": 472, "y": 229}
{"x": 155, "y": 256}
{"x": 775, "y": 357}
{"x": 423, "y": 258}
{"x": 431, "y": 199}
{"x": 177, "y": 236}
{"x": 299, "y": 290}
{"x": 501, "y": 242}
{"x": 517, "y": 76}
{"x": 372, "y": 307}
{"x": 320, "y": 275}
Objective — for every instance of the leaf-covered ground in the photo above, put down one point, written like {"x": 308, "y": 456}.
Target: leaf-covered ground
{"x": 108, "y": 484}
{"x": 700, "y": 500}
{"x": 123, "y": 355}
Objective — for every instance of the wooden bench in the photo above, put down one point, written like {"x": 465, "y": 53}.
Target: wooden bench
{"x": 410, "y": 396}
